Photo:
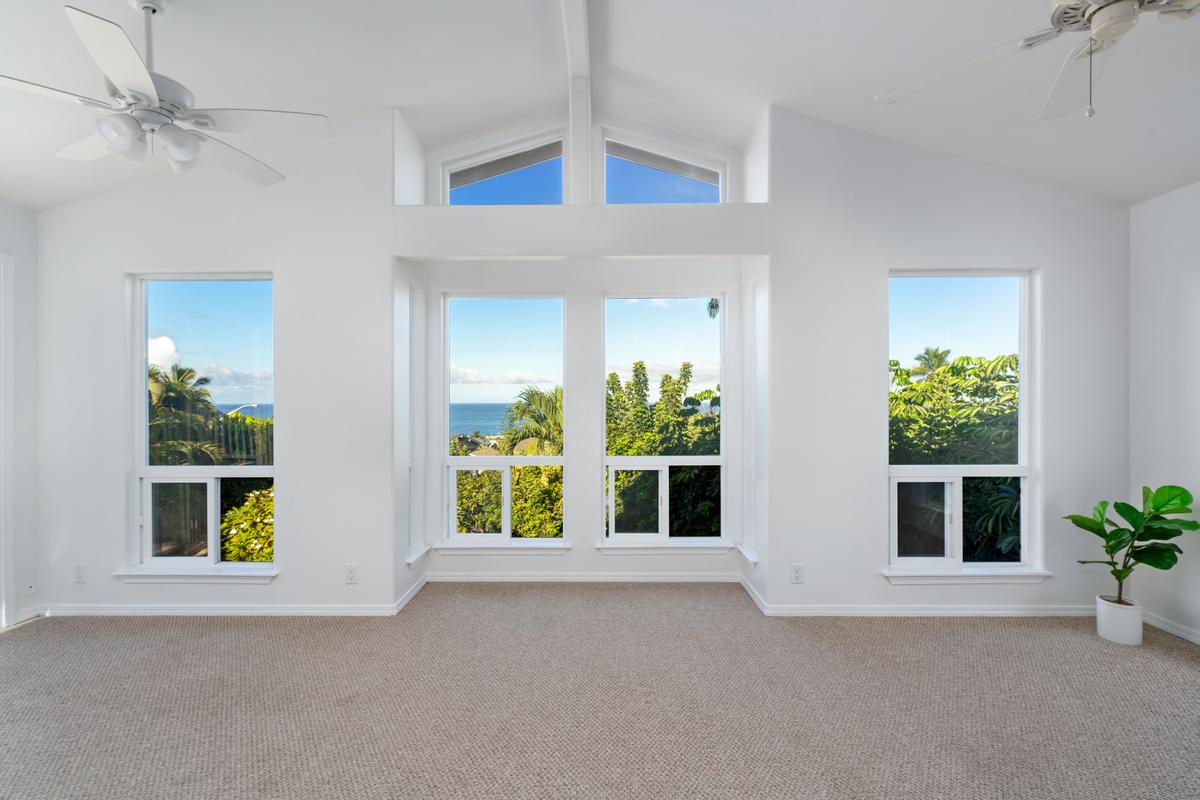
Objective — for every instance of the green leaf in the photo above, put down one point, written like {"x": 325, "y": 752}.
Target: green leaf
{"x": 1130, "y": 514}
{"x": 1158, "y": 555}
{"x": 1147, "y": 499}
{"x": 1087, "y": 523}
{"x": 1123, "y": 573}
{"x": 1170, "y": 499}
{"x": 1108, "y": 563}
{"x": 1100, "y": 512}
{"x": 1177, "y": 524}
{"x": 1117, "y": 540}
{"x": 1153, "y": 534}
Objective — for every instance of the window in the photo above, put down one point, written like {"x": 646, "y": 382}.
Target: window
{"x": 504, "y": 458}
{"x": 663, "y": 458}
{"x": 530, "y": 177}
{"x": 956, "y": 428}
{"x": 206, "y": 436}
{"x": 632, "y": 175}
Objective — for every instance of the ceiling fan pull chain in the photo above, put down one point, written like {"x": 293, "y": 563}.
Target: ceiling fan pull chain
{"x": 1091, "y": 109}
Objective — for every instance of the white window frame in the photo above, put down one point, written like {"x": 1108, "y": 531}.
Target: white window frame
{"x": 456, "y": 160}
{"x": 504, "y": 464}
{"x": 952, "y": 565}
{"x": 145, "y": 474}
{"x": 663, "y": 464}
{"x": 657, "y": 146}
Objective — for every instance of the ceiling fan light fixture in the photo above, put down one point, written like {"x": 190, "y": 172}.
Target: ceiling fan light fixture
{"x": 181, "y": 166}
{"x": 182, "y": 146}
{"x": 136, "y": 152}
{"x": 121, "y": 131}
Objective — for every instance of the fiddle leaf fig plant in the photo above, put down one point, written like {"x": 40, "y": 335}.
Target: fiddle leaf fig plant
{"x": 1143, "y": 536}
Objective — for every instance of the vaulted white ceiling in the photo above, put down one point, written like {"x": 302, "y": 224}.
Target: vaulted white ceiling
{"x": 702, "y": 67}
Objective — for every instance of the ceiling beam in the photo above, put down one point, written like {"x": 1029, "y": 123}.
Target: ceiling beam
{"x": 575, "y": 26}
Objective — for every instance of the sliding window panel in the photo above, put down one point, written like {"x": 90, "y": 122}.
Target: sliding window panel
{"x": 922, "y": 519}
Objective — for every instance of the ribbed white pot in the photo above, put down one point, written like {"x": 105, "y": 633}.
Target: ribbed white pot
{"x": 1118, "y": 623}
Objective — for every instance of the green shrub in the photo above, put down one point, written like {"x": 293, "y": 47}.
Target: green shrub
{"x": 248, "y": 530}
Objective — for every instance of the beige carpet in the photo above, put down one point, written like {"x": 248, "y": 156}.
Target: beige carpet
{"x": 594, "y": 691}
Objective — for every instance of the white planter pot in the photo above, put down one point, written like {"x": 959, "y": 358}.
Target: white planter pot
{"x": 1118, "y": 623}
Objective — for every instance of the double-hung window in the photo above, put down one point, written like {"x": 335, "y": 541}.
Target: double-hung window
{"x": 664, "y": 463}
{"x": 504, "y": 419}
{"x": 958, "y": 434}
{"x": 205, "y": 488}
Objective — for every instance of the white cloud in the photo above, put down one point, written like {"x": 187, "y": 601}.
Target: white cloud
{"x": 224, "y": 378}
{"x": 466, "y": 375}
{"x": 161, "y": 352}
{"x": 656, "y": 302}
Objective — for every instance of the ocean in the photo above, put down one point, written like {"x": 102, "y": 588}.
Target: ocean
{"x": 264, "y": 410}
{"x": 487, "y": 418}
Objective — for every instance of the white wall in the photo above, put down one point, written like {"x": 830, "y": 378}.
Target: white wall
{"x": 18, "y": 412}
{"x": 408, "y": 163}
{"x": 756, "y": 161}
{"x": 1164, "y": 383}
{"x": 325, "y": 234}
{"x": 845, "y": 209}
{"x": 848, "y": 207}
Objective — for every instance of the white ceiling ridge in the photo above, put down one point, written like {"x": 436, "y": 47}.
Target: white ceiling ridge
{"x": 575, "y": 28}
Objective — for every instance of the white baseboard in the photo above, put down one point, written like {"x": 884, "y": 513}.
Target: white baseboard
{"x": 402, "y": 601}
{"x": 140, "y": 610}
{"x": 1182, "y": 631}
{"x": 779, "y": 610}
{"x": 583, "y": 577}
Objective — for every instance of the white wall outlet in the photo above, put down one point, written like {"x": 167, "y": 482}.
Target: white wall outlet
{"x": 79, "y": 573}
{"x": 797, "y": 573}
{"x": 352, "y": 573}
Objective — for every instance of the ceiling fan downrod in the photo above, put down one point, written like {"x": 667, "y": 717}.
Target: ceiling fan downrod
{"x": 1091, "y": 107}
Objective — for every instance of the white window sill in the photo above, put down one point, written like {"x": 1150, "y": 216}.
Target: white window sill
{"x": 979, "y": 575}
{"x": 655, "y": 549}
{"x": 216, "y": 574}
{"x": 750, "y": 554}
{"x": 550, "y": 547}
{"x": 416, "y": 554}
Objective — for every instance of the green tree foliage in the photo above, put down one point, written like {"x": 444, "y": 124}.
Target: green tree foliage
{"x": 537, "y": 502}
{"x": 185, "y": 427}
{"x": 963, "y": 411}
{"x": 480, "y": 501}
{"x": 676, "y": 425}
{"x": 535, "y": 423}
{"x": 248, "y": 530}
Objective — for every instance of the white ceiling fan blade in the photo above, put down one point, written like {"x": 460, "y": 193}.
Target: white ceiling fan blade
{"x": 259, "y": 122}
{"x": 237, "y": 161}
{"x": 1070, "y": 90}
{"x": 47, "y": 91}
{"x": 89, "y": 149}
{"x": 961, "y": 68}
{"x": 109, "y": 46}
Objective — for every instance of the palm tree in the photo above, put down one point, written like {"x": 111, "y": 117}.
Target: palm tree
{"x": 930, "y": 360}
{"x": 714, "y": 307}
{"x": 181, "y": 409}
{"x": 536, "y": 417}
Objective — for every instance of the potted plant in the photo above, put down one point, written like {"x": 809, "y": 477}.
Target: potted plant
{"x": 1143, "y": 537}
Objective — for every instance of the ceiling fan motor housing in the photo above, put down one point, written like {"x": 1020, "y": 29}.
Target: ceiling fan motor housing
{"x": 1104, "y": 19}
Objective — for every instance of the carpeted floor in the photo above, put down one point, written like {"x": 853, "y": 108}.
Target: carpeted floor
{"x": 594, "y": 691}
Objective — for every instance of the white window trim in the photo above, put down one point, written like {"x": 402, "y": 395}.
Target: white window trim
{"x": 952, "y": 569}
{"x": 182, "y": 569}
{"x": 489, "y": 541}
{"x": 649, "y": 542}
{"x": 472, "y": 155}
{"x": 660, "y": 146}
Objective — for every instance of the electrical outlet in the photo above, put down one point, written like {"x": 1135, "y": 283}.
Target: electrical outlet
{"x": 797, "y": 573}
{"x": 79, "y": 573}
{"x": 352, "y": 573}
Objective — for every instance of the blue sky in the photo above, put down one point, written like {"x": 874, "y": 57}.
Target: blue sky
{"x": 969, "y": 316}
{"x": 663, "y": 332}
{"x": 625, "y": 182}
{"x": 222, "y": 329}
{"x": 499, "y": 345}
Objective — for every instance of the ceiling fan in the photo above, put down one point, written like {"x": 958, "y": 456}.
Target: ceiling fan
{"x": 1105, "y": 22}
{"x": 146, "y": 105}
